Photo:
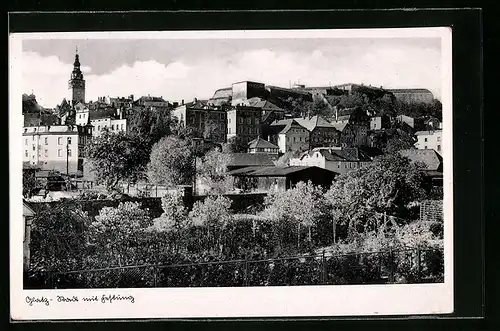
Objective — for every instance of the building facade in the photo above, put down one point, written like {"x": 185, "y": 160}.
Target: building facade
{"x": 207, "y": 122}
{"x": 340, "y": 160}
{"x": 430, "y": 140}
{"x": 290, "y": 137}
{"x": 60, "y": 148}
{"x": 380, "y": 122}
{"x": 244, "y": 122}
{"x": 260, "y": 145}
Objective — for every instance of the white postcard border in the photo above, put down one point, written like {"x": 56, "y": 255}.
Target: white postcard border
{"x": 292, "y": 301}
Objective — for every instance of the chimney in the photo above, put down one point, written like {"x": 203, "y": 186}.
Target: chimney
{"x": 131, "y": 97}
{"x": 182, "y": 102}
{"x": 195, "y": 100}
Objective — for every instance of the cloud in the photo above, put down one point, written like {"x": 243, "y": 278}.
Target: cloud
{"x": 391, "y": 67}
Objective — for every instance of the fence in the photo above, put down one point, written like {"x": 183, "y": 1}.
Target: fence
{"x": 411, "y": 265}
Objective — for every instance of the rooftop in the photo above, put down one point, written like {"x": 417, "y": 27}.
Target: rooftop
{"x": 432, "y": 160}
{"x": 261, "y": 143}
{"x": 427, "y": 132}
{"x": 248, "y": 159}
{"x": 271, "y": 171}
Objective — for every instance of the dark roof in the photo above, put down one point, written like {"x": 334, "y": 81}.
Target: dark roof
{"x": 410, "y": 90}
{"x": 295, "y": 91}
{"x": 248, "y": 159}
{"x": 261, "y": 143}
{"x": 263, "y": 104}
{"x": 429, "y": 157}
{"x": 98, "y": 114}
{"x": 271, "y": 171}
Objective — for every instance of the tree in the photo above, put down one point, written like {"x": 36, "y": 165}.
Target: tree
{"x": 214, "y": 214}
{"x": 30, "y": 184}
{"x": 319, "y": 107}
{"x": 152, "y": 124}
{"x": 174, "y": 217}
{"x": 213, "y": 171}
{"x": 234, "y": 145}
{"x": 118, "y": 156}
{"x": 114, "y": 234}
{"x": 389, "y": 184}
{"x": 296, "y": 207}
{"x": 58, "y": 237}
{"x": 171, "y": 162}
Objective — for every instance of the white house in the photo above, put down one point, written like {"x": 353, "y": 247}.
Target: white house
{"x": 430, "y": 140}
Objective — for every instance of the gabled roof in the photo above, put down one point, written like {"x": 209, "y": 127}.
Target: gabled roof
{"x": 248, "y": 159}
{"x": 429, "y": 157}
{"x": 263, "y": 104}
{"x": 290, "y": 124}
{"x": 427, "y": 132}
{"x": 339, "y": 126}
{"x": 272, "y": 171}
{"x": 196, "y": 104}
{"x": 310, "y": 123}
{"x": 27, "y": 211}
{"x": 261, "y": 143}
{"x": 336, "y": 154}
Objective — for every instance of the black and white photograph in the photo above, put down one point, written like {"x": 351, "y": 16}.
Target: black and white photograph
{"x": 231, "y": 164}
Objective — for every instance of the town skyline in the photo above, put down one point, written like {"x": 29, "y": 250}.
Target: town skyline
{"x": 176, "y": 69}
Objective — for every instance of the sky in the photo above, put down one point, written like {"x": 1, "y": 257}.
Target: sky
{"x": 188, "y": 68}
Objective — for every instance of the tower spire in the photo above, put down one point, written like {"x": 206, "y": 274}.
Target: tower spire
{"x": 76, "y": 49}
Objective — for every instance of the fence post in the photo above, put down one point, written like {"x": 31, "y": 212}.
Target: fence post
{"x": 323, "y": 269}
{"x": 246, "y": 270}
{"x": 418, "y": 263}
{"x": 391, "y": 266}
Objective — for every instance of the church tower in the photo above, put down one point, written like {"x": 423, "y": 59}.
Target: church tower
{"x": 77, "y": 83}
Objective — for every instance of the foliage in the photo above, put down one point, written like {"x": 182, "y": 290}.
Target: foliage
{"x": 171, "y": 162}
{"x": 152, "y": 124}
{"x": 174, "y": 217}
{"x": 389, "y": 184}
{"x": 58, "y": 237}
{"x": 283, "y": 209}
{"x": 118, "y": 156}
{"x": 213, "y": 214}
{"x": 30, "y": 184}
{"x": 234, "y": 145}
{"x": 212, "y": 171}
{"x": 114, "y": 234}
{"x": 298, "y": 107}
{"x": 319, "y": 107}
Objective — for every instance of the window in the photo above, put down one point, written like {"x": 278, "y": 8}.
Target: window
{"x": 69, "y": 140}
{"x": 33, "y": 147}
{"x": 229, "y": 120}
{"x": 46, "y": 153}
{"x": 438, "y": 138}
{"x": 26, "y": 153}
{"x": 69, "y": 152}
{"x": 425, "y": 139}
{"x": 439, "y": 148}
{"x": 241, "y": 120}
{"x": 46, "y": 141}
{"x": 26, "y": 141}
{"x": 229, "y": 130}
{"x": 425, "y": 147}
{"x": 59, "y": 141}
{"x": 59, "y": 152}
{"x": 98, "y": 128}
{"x": 294, "y": 139}
{"x": 112, "y": 126}
{"x": 249, "y": 120}
{"x": 122, "y": 127}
